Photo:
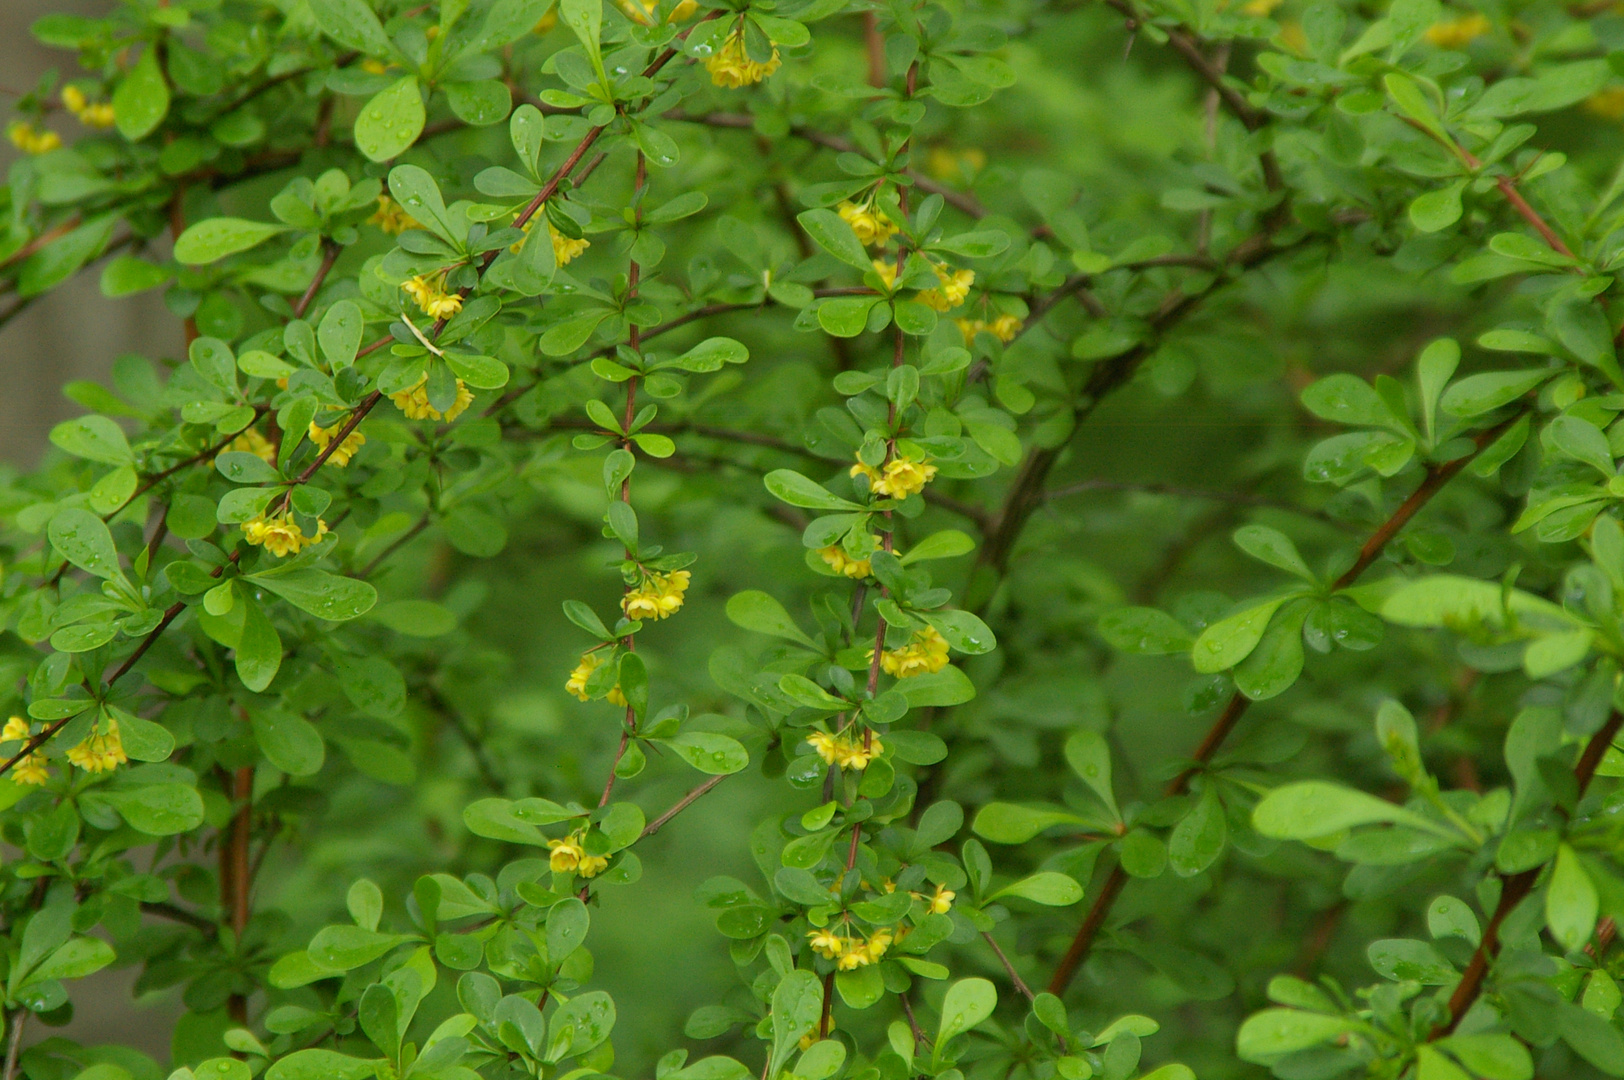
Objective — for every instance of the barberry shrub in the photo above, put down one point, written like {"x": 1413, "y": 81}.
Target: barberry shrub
{"x": 1157, "y": 464}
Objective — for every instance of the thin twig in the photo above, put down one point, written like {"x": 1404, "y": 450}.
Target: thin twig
{"x": 1009, "y": 968}
{"x": 679, "y": 806}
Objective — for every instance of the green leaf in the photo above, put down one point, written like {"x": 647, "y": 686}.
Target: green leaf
{"x": 479, "y": 103}
{"x": 352, "y": 24}
{"x": 326, "y": 596}
{"x": 1313, "y": 808}
{"x": 1451, "y": 600}
{"x": 1198, "y": 838}
{"x": 1479, "y": 394}
{"x": 963, "y": 630}
{"x": 718, "y": 755}
{"x": 830, "y": 231}
{"x": 1047, "y": 887}
{"x": 141, "y": 100}
{"x": 1273, "y": 547}
{"x": 1435, "y": 210}
{"x": 1347, "y": 399}
{"x": 258, "y": 654}
{"x": 94, "y": 438}
{"x": 84, "y": 541}
{"x": 1412, "y": 102}
{"x": 320, "y": 1065}
{"x": 74, "y": 959}
{"x": 1274, "y": 1033}
{"x": 415, "y": 618}
{"x": 797, "y": 1003}
{"x": 797, "y": 490}
{"x": 289, "y": 742}
{"x": 1144, "y": 630}
{"x": 946, "y": 544}
{"x": 1089, "y": 756}
{"x": 128, "y": 275}
{"x": 158, "y": 809}
{"x": 967, "y": 1003}
{"x": 1006, "y": 823}
{"x": 1229, "y": 641}
{"x": 759, "y": 611}
{"x": 390, "y": 123}
{"x": 213, "y": 239}
{"x": 1572, "y": 904}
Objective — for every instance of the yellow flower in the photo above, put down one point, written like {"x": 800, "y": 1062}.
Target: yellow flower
{"x": 570, "y": 857}
{"x": 374, "y": 67}
{"x": 1608, "y": 103}
{"x": 954, "y": 289}
{"x": 643, "y": 11}
{"x": 852, "y": 754}
{"x": 926, "y": 653}
{"x": 16, "y": 729}
{"x": 1005, "y": 328}
{"x": 347, "y": 449}
{"x": 96, "y": 115}
{"x": 940, "y": 903}
{"x": 281, "y": 535}
{"x": 391, "y": 218}
{"x": 252, "y": 442}
{"x": 658, "y": 597}
{"x": 841, "y": 563}
{"x": 1458, "y": 33}
{"x": 431, "y": 297}
{"x": 872, "y": 229}
{"x": 566, "y": 855}
{"x": 100, "y": 753}
{"x": 1260, "y": 8}
{"x": 732, "y": 67}
{"x": 887, "y": 271}
{"x": 876, "y": 945}
{"x": 901, "y": 477}
{"x": 566, "y": 248}
{"x": 31, "y": 771}
{"x": 576, "y": 684}
{"x": 25, "y": 137}
{"x": 546, "y": 22}
{"x": 945, "y": 163}
{"x": 414, "y": 402}
{"x": 828, "y": 944}
{"x": 827, "y": 746}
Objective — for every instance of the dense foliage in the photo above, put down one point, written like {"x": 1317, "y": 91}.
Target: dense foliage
{"x": 1120, "y": 502}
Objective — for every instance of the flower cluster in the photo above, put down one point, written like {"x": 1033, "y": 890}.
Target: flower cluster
{"x": 346, "y": 450}
{"x": 1005, "y": 328}
{"x": 281, "y": 535}
{"x": 100, "y": 753}
{"x": 841, "y": 563}
{"x": 851, "y": 952}
{"x": 658, "y": 597}
{"x": 873, "y": 229}
{"x": 1459, "y": 33}
{"x": 732, "y": 67}
{"x": 576, "y": 684}
{"x": 953, "y": 291}
{"x": 252, "y": 442}
{"x": 901, "y": 477}
{"x": 643, "y": 11}
{"x": 565, "y": 248}
{"x": 431, "y": 297}
{"x": 414, "y": 402}
{"x": 31, "y": 771}
{"x": 391, "y": 217}
{"x": 97, "y": 114}
{"x": 925, "y": 654}
{"x": 31, "y": 140}
{"x": 569, "y": 856}
{"x": 847, "y": 751}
